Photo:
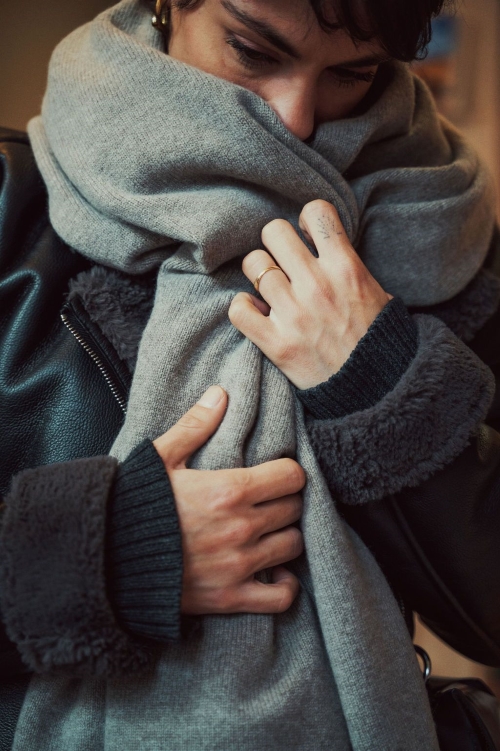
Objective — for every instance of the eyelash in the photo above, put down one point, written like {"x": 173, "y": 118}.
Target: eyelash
{"x": 249, "y": 57}
{"x": 252, "y": 59}
{"x": 347, "y": 77}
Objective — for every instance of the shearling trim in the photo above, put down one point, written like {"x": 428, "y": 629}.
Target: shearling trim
{"x": 466, "y": 313}
{"x": 418, "y": 428}
{"x": 119, "y": 304}
{"x": 52, "y": 579}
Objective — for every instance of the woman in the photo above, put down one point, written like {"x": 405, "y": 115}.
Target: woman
{"x": 161, "y": 167}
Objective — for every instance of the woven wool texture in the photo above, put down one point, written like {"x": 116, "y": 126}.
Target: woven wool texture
{"x": 150, "y": 163}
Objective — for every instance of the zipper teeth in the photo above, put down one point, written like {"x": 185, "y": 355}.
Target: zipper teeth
{"x": 95, "y": 357}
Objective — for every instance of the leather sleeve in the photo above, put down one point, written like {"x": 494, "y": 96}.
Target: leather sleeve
{"x": 438, "y": 545}
{"x": 48, "y": 384}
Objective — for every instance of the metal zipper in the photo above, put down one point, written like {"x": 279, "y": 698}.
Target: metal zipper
{"x": 97, "y": 360}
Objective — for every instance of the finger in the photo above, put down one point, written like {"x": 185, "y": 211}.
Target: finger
{"x": 274, "y": 515}
{"x": 277, "y": 548}
{"x": 257, "y": 597}
{"x": 261, "y": 305}
{"x": 246, "y": 313}
{"x": 274, "y": 286}
{"x": 267, "y": 482}
{"x": 281, "y": 239}
{"x": 321, "y": 222}
{"x": 193, "y": 429}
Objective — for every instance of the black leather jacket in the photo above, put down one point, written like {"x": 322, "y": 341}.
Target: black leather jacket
{"x": 63, "y": 392}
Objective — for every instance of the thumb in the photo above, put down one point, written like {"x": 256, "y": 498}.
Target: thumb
{"x": 193, "y": 429}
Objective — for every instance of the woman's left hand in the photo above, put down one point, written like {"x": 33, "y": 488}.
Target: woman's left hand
{"x": 316, "y": 309}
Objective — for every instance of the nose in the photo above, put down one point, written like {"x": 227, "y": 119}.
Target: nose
{"x": 294, "y": 102}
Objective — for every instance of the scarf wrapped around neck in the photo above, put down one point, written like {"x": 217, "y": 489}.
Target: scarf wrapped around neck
{"x": 152, "y": 164}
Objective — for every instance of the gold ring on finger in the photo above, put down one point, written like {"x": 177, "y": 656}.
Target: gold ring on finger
{"x": 269, "y": 268}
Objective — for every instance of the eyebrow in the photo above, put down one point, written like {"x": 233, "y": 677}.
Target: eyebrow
{"x": 364, "y": 62}
{"x": 266, "y": 31}
{"x": 261, "y": 28}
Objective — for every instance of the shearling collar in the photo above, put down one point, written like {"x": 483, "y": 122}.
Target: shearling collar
{"x": 121, "y": 304}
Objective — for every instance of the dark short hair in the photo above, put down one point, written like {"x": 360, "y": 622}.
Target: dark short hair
{"x": 402, "y": 27}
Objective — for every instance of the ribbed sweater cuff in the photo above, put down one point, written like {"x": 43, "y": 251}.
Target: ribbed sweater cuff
{"x": 144, "y": 550}
{"x": 374, "y": 368}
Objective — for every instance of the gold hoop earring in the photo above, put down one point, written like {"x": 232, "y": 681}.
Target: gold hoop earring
{"x": 161, "y": 18}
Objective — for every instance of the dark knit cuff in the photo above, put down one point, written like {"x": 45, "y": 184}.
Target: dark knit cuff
{"x": 374, "y": 368}
{"x": 144, "y": 549}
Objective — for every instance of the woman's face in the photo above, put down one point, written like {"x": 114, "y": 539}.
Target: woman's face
{"x": 277, "y": 49}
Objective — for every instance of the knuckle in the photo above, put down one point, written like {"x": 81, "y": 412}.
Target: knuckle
{"x": 239, "y": 532}
{"x": 288, "y": 593}
{"x": 298, "y": 320}
{"x": 223, "y": 600}
{"x": 239, "y": 565}
{"x": 194, "y": 419}
{"x": 319, "y": 206}
{"x": 274, "y": 229}
{"x": 251, "y": 260}
{"x": 363, "y": 282}
{"x": 296, "y": 475}
{"x": 322, "y": 291}
{"x": 285, "y": 352}
{"x": 297, "y": 542}
{"x": 240, "y": 299}
{"x": 237, "y": 309}
{"x": 243, "y": 483}
{"x": 226, "y": 499}
{"x": 294, "y": 543}
{"x": 350, "y": 272}
{"x": 297, "y": 506}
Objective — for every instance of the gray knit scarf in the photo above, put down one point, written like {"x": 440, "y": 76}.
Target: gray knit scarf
{"x": 152, "y": 164}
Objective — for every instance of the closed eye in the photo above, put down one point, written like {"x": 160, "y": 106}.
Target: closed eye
{"x": 348, "y": 77}
{"x": 249, "y": 57}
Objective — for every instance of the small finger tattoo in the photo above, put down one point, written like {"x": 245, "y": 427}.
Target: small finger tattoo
{"x": 323, "y": 228}
{"x": 326, "y": 225}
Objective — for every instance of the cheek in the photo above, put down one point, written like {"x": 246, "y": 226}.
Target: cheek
{"x": 335, "y": 102}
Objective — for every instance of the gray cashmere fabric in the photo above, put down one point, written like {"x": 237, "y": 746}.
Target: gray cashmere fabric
{"x": 150, "y": 163}
{"x": 155, "y": 153}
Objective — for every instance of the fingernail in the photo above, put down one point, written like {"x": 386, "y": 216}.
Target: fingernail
{"x": 211, "y": 397}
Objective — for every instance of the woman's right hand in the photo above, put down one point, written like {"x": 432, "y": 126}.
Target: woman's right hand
{"x": 234, "y": 522}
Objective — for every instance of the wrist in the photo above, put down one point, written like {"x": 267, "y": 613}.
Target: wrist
{"x": 326, "y": 353}
{"x": 373, "y": 369}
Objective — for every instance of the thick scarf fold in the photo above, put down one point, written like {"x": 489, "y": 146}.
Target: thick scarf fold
{"x": 152, "y": 164}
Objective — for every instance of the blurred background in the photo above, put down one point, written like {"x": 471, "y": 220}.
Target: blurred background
{"x": 462, "y": 68}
